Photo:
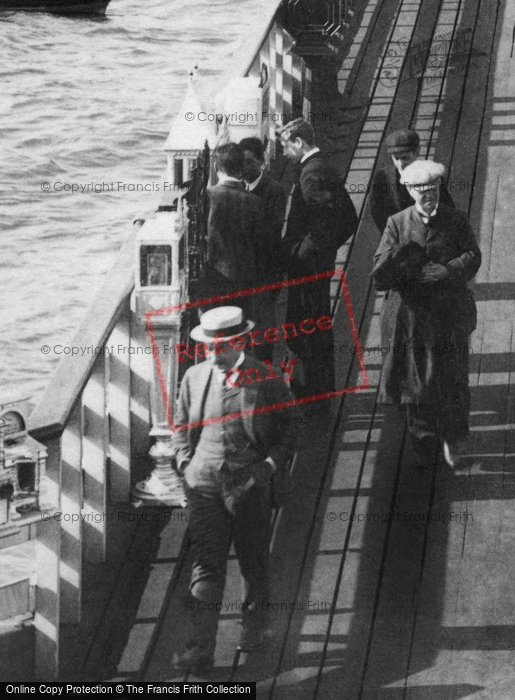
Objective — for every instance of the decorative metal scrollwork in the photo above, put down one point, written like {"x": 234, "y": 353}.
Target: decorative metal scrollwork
{"x": 196, "y": 198}
{"x": 318, "y": 25}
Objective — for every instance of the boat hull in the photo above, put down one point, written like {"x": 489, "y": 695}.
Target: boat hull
{"x": 61, "y": 6}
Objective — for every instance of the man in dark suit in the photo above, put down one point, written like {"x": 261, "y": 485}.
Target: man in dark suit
{"x": 427, "y": 255}
{"x": 389, "y": 195}
{"x": 273, "y": 201}
{"x": 321, "y": 218}
{"x": 234, "y": 232}
{"x": 227, "y": 451}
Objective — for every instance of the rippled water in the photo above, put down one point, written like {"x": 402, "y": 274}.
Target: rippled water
{"x": 87, "y": 101}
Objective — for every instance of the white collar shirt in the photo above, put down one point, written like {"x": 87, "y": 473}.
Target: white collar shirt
{"x": 309, "y": 153}
{"x": 252, "y": 185}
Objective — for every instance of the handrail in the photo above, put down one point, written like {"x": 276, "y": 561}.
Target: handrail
{"x": 72, "y": 373}
{"x": 246, "y": 54}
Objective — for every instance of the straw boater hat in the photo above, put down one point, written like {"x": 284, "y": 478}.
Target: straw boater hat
{"x": 226, "y": 322}
{"x": 422, "y": 173}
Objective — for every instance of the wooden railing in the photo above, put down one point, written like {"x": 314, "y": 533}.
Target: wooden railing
{"x": 94, "y": 417}
{"x": 94, "y": 420}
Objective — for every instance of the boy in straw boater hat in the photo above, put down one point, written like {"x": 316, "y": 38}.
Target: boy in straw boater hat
{"x": 227, "y": 447}
{"x": 427, "y": 255}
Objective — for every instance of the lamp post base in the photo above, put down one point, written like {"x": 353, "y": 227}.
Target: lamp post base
{"x": 164, "y": 487}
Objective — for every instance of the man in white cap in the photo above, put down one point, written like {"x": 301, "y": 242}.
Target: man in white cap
{"x": 228, "y": 446}
{"x": 389, "y": 195}
{"x": 427, "y": 255}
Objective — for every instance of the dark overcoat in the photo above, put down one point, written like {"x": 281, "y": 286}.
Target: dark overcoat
{"x": 425, "y": 327}
{"x": 273, "y": 200}
{"x": 322, "y": 217}
{"x": 235, "y": 246}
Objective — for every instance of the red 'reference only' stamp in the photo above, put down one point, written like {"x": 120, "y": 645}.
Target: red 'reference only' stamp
{"x": 187, "y": 351}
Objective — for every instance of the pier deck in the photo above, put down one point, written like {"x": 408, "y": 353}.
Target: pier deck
{"x": 389, "y": 582}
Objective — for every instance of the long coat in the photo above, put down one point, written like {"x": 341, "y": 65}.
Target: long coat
{"x": 273, "y": 200}
{"x": 235, "y": 233}
{"x": 322, "y": 217}
{"x": 425, "y": 327}
{"x": 389, "y": 196}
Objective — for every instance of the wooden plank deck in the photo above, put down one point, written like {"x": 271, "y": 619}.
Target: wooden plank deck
{"x": 388, "y": 583}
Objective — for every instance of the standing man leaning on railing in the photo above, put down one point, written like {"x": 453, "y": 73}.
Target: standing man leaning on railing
{"x": 321, "y": 218}
{"x": 273, "y": 200}
{"x": 234, "y": 233}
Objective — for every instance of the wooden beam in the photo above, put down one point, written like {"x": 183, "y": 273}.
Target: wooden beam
{"x": 70, "y": 570}
{"x": 94, "y": 455}
{"x": 118, "y": 408}
{"x": 48, "y": 553}
{"x": 140, "y": 424}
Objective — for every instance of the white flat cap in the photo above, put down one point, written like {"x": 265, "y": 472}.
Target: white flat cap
{"x": 422, "y": 172}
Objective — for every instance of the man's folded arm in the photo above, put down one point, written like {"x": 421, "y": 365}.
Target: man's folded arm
{"x": 331, "y": 213}
{"x": 465, "y": 266}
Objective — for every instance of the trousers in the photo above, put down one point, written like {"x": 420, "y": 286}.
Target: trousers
{"x": 310, "y": 301}
{"x": 212, "y": 531}
{"x": 212, "y": 284}
{"x": 431, "y": 424}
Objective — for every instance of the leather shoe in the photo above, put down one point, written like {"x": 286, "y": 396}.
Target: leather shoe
{"x": 195, "y": 659}
{"x": 252, "y": 638}
{"x": 454, "y": 451}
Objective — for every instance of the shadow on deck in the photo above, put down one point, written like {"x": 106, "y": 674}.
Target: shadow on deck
{"x": 389, "y": 582}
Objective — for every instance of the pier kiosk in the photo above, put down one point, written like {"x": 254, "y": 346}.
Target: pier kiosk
{"x": 24, "y": 500}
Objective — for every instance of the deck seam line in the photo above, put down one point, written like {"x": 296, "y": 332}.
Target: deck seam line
{"x": 364, "y": 313}
{"x": 387, "y": 536}
{"x": 345, "y": 548}
{"x": 342, "y": 402}
{"x": 381, "y": 569}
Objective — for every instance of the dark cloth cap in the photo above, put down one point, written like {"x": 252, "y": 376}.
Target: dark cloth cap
{"x": 402, "y": 140}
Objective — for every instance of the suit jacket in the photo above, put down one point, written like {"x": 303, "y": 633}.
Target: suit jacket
{"x": 273, "y": 432}
{"x": 322, "y": 217}
{"x": 388, "y": 196}
{"x": 235, "y": 232}
{"x": 273, "y": 200}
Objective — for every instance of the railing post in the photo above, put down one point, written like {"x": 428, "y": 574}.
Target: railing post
{"x": 94, "y": 454}
{"x": 70, "y": 518}
{"x": 48, "y": 553}
{"x": 118, "y": 409}
{"x": 139, "y": 398}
